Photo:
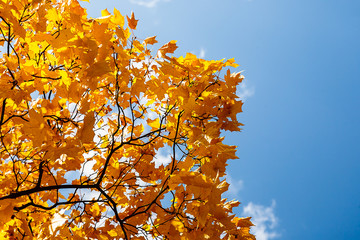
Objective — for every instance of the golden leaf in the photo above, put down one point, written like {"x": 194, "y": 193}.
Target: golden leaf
{"x": 105, "y": 13}
{"x": 118, "y": 19}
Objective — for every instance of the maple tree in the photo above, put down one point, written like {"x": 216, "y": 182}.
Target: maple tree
{"x": 87, "y": 110}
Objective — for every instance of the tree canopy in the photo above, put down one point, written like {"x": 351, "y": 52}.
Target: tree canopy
{"x": 101, "y": 138}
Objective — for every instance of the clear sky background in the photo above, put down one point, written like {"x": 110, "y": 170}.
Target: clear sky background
{"x": 299, "y": 169}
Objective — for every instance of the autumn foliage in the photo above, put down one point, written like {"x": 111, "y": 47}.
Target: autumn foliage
{"x": 102, "y": 138}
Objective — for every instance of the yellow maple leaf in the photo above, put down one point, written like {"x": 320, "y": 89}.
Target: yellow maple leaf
{"x": 105, "y": 13}
{"x": 154, "y": 123}
{"x": 118, "y": 19}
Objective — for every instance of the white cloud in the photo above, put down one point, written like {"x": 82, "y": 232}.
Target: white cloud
{"x": 162, "y": 157}
{"x": 147, "y": 3}
{"x": 88, "y": 194}
{"x": 202, "y": 53}
{"x": 244, "y": 92}
{"x": 87, "y": 167}
{"x": 264, "y": 219}
{"x": 57, "y": 220}
{"x": 235, "y": 186}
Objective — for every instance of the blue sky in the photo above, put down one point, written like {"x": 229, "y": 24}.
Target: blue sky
{"x": 299, "y": 169}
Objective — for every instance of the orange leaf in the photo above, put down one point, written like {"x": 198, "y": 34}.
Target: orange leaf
{"x": 170, "y": 47}
{"x": 132, "y": 21}
{"x": 150, "y": 40}
{"x": 87, "y": 134}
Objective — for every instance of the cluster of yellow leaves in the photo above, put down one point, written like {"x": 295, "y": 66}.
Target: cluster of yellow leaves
{"x": 85, "y": 112}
